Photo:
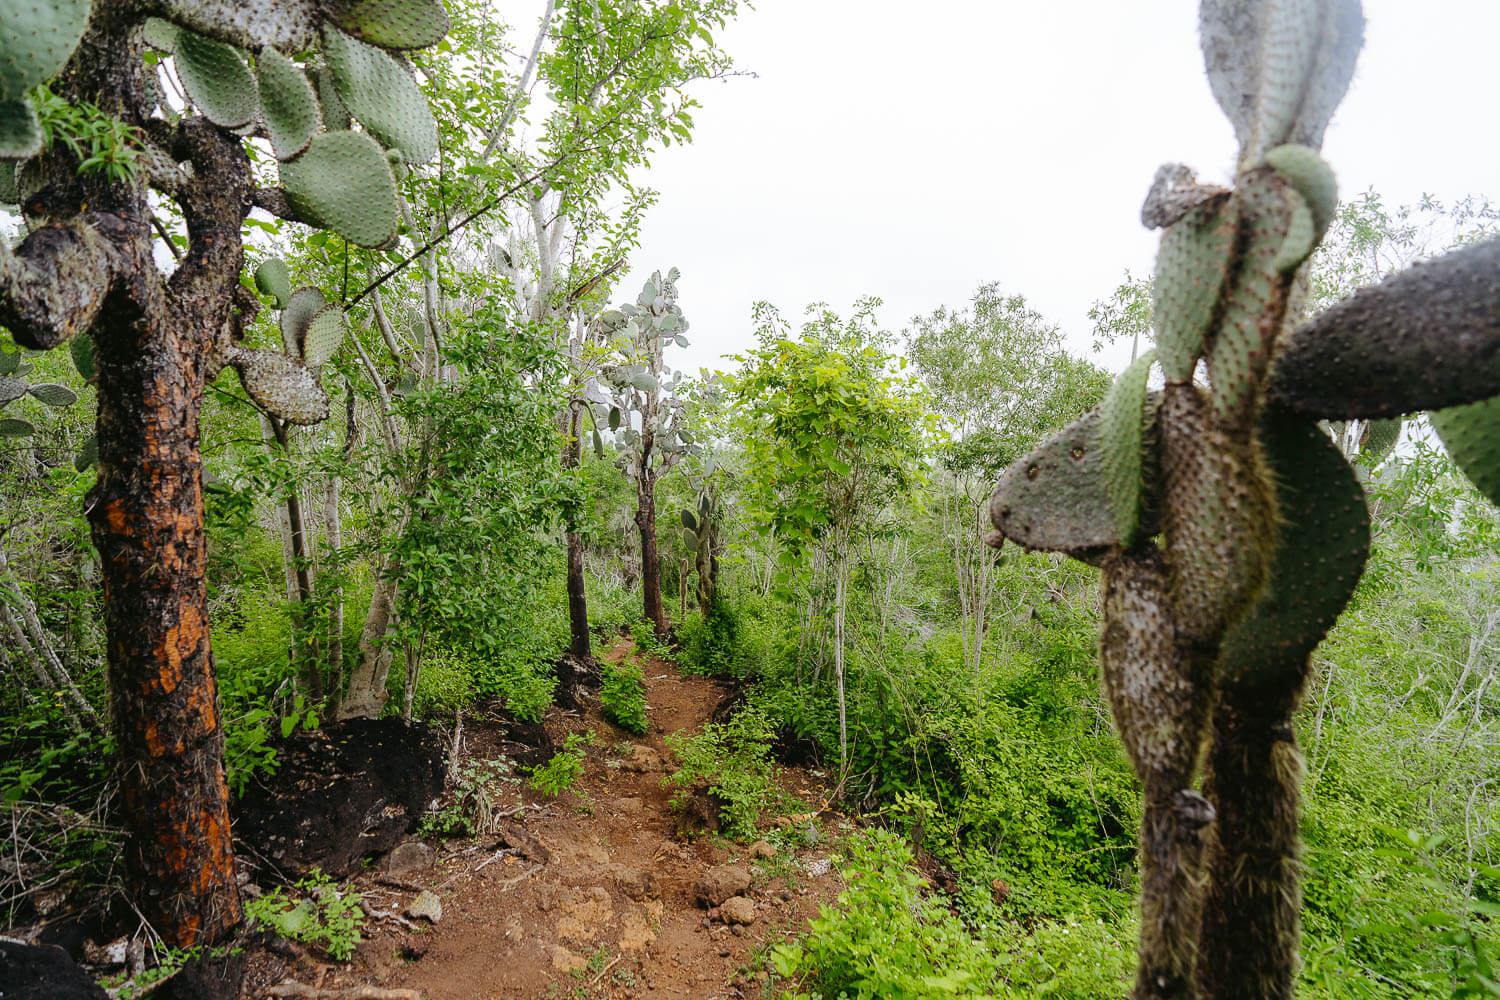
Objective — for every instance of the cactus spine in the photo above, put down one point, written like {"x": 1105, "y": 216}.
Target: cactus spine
{"x": 1208, "y": 630}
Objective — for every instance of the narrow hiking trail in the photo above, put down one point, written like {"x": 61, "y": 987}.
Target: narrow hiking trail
{"x": 596, "y": 894}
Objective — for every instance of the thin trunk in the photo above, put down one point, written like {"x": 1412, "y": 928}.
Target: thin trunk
{"x": 367, "y": 695}
{"x": 645, "y": 520}
{"x": 25, "y": 629}
{"x": 579, "y": 644}
{"x": 306, "y": 659}
{"x": 839, "y": 589}
{"x": 333, "y": 533}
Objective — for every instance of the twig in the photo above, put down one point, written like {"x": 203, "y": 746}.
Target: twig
{"x": 398, "y": 883}
{"x": 602, "y": 971}
{"x": 291, "y": 989}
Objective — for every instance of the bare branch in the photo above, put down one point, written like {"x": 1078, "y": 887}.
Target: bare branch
{"x": 1424, "y": 339}
{"x": 275, "y": 201}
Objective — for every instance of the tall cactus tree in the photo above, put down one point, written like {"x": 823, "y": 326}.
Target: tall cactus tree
{"x": 87, "y": 270}
{"x": 1230, "y": 529}
{"x": 651, "y": 421}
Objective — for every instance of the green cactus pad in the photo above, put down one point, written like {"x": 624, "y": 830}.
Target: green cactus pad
{"x": 281, "y": 384}
{"x": 1191, "y": 267}
{"x": 20, "y": 134}
{"x": 1322, "y": 536}
{"x": 273, "y": 279}
{"x": 15, "y": 427}
{"x": 1380, "y": 437}
{"x": 288, "y": 104}
{"x": 379, "y": 92}
{"x": 323, "y": 335}
{"x": 1472, "y": 436}
{"x": 53, "y": 394}
{"x": 690, "y": 540}
{"x": 217, "y": 80}
{"x": 1122, "y": 421}
{"x": 1055, "y": 499}
{"x": 160, "y": 35}
{"x": 88, "y": 453}
{"x": 301, "y": 306}
{"x": 1301, "y": 234}
{"x": 1313, "y": 179}
{"x": 598, "y": 444}
{"x": 9, "y": 193}
{"x": 36, "y": 40}
{"x": 688, "y": 520}
{"x": 336, "y": 117}
{"x": 390, "y": 24}
{"x": 343, "y": 183}
{"x": 1241, "y": 347}
{"x": 1216, "y": 515}
{"x": 1259, "y": 57}
{"x": 12, "y": 389}
{"x": 9, "y": 362}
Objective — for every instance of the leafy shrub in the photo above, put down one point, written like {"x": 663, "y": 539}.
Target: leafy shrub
{"x": 523, "y": 687}
{"x": 733, "y": 760}
{"x": 710, "y": 641}
{"x": 884, "y": 939}
{"x": 623, "y": 696}
{"x": 470, "y": 808}
{"x": 566, "y": 766}
{"x": 445, "y": 685}
{"x": 327, "y": 915}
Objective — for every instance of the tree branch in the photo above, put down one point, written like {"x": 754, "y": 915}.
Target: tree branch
{"x": 53, "y": 284}
{"x": 1423, "y": 339}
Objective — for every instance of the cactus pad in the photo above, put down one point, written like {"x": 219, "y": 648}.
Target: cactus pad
{"x": 36, "y": 40}
{"x": 12, "y": 389}
{"x": 1472, "y": 436}
{"x": 282, "y": 385}
{"x": 288, "y": 104}
{"x": 53, "y": 394}
{"x": 1191, "y": 267}
{"x": 1217, "y": 515}
{"x": 1312, "y": 178}
{"x": 301, "y": 307}
{"x": 20, "y": 134}
{"x": 1122, "y": 421}
{"x": 336, "y": 117}
{"x": 216, "y": 79}
{"x": 9, "y": 193}
{"x": 160, "y": 35}
{"x": 343, "y": 183}
{"x": 272, "y": 278}
{"x": 15, "y": 427}
{"x": 379, "y": 92}
{"x": 88, "y": 453}
{"x": 1322, "y": 536}
{"x": 1055, "y": 499}
{"x": 1426, "y": 338}
{"x": 689, "y": 521}
{"x": 1380, "y": 437}
{"x": 322, "y": 335}
{"x": 391, "y": 24}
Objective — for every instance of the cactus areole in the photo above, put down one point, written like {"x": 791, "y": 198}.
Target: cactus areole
{"x": 1230, "y": 530}
{"x": 86, "y": 270}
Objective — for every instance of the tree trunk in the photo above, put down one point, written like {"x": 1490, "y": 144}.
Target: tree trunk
{"x": 578, "y": 608}
{"x": 147, "y": 518}
{"x": 645, "y": 520}
{"x": 305, "y": 657}
{"x": 840, "y": 586}
{"x": 367, "y": 695}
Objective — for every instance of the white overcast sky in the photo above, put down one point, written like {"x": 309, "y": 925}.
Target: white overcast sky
{"x": 912, "y": 150}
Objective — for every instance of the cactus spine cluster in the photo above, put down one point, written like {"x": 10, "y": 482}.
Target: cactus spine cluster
{"x": 1230, "y": 530}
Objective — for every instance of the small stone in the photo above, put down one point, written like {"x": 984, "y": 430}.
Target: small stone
{"x": 760, "y": 850}
{"x": 718, "y": 884}
{"x": 738, "y": 930}
{"x": 738, "y": 910}
{"x": 425, "y": 906}
{"x": 724, "y": 951}
{"x": 818, "y": 867}
{"x": 637, "y": 885}
{"x": 514, "y": 930}
{"x": 411, "y": 856}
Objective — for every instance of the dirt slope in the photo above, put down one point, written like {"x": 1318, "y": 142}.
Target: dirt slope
{"x": 594, "y": 897}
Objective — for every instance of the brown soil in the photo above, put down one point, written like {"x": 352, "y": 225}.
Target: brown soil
{"x": 610, "y": 912}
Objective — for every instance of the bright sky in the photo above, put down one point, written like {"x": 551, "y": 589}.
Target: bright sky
{"x": 914, "y": 150}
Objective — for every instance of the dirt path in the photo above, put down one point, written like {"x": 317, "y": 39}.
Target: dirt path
{"x": 605, "y": 907}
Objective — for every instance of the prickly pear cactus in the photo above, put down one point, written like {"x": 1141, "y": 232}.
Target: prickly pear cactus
{"x": 1230, "y": 529}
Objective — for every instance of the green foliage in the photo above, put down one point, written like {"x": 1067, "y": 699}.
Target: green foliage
{"x": 710, "y": 642}
{"x": 732, "y": 761}
{"x": 623, "y": 696}
{"x": 100, "y": 142}
{"x": 470, "y": 808}
{"x": 321, "y": 913}
{"x": 566, "y": 766}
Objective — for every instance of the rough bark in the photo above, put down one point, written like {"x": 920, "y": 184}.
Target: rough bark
{"x": 579, "y": 643}
{"x": 645, "y": 521}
